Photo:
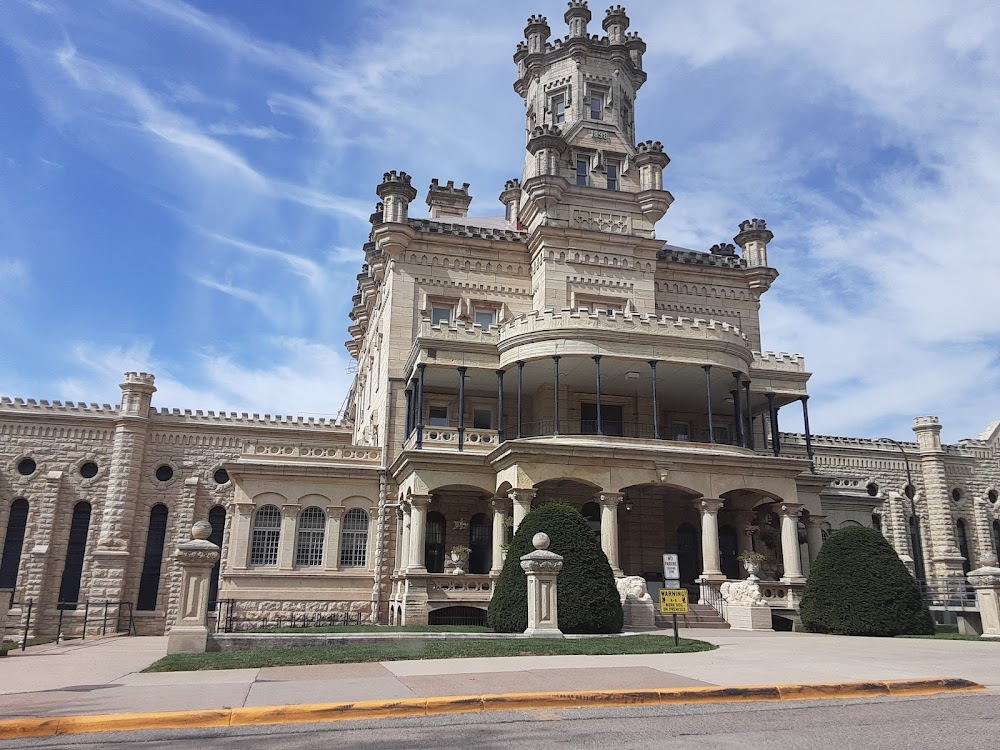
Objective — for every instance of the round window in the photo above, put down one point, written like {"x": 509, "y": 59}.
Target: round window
{"x": 992, "y": 495}
{"x": 88, "y": 470}
{"x": 164, "y": 473}
{"x": 26, "y": 467}
{"x": 956, "y": 494}
{"x": 221, "y": 476}
{"x": 872, "y": 489}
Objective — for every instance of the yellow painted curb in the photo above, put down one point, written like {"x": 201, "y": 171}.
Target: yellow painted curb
{"x": 12, "y": 729}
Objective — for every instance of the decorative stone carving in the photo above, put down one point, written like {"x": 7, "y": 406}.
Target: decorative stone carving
{"x": 196, "y": 559}
{"x": 542, "y": 568}
{"x": 742, "y": 591}
{"x": 637, "y": 604}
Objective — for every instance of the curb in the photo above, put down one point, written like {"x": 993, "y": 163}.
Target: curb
{"x": 385, "y": 709}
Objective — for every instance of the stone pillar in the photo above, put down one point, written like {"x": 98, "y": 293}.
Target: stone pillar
{"x": 711, "y": 558}
{"x": 609, "y": 528}
{"x": 985, "y": 553}
{"x": 239, "y": 543}
{"x": 289, "y": 524}
{"x": 499, "y": 533}
{"x": 946, "y": 560}
{"x": 895, "y": 513}
{"x": 418, "y": 532}
{"x": 542, "y": 568}
{"x": 522, "y": 504}
{"x": 814, "y": 536}
{"x": 196, "y": 558}
{"x": 399, "y": 540}
{"x": 404, "y": 541}
{"x": 790, "y": 542}
{"x": 986, "y": 582}
{"x": 334, "y": 516}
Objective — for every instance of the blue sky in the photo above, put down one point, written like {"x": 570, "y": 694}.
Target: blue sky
{"x": 184, "y": 188}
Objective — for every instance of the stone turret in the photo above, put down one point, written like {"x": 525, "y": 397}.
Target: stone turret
{"x": 546, "y": 145}
{"x": 536, "y": 34}
{"x": 616, "y": 24}
{"x": 651, "y": 161}
{"x": 137, "y": 394}
{"x": 636, "y": 48}
{"x": 511, "y": 198}
{"x": 396, "y": 193}
{"x": 945, "y": 556}
{"x": 753, "y": 238}
{"x": 577, "y": 16}
{"x": 448, "y": 201}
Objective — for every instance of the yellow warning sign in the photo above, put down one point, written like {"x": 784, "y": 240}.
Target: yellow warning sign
{"x": 674, "y": 601}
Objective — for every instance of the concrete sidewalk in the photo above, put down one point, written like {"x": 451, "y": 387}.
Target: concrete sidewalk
{"x": 104, "y": 676}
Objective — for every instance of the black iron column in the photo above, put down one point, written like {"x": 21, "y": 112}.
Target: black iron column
{"x": 805, "y": 426}
{"x": 749, "y": 437}
{"x": 656, "y": 410}
{"x": 555, "y": 391}
{"x": 708, "y": 400}
{"x": 420, "y": 404}
{"x": 520, "y": 395}
{"x": 461, "y": 407}
{"x": 738, "y": 412}
{"x": 409, "y": 411}
{"x": 600, "y": 424}
{"x": 772, "y": 410}
{"x": 500, "y": 405}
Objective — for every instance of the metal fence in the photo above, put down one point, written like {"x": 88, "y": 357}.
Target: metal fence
{"x": 115, "y": 614}
{"x": 948, "y": 594}
{"x": 229, "y": 618}
{"x": 26, "y": 607}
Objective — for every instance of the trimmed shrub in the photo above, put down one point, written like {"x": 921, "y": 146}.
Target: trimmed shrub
{"x": 587, "y": 596}
{"x": 859, "y": 586}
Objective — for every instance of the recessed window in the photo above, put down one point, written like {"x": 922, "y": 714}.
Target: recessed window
{"x": 992, "y": 495}
{"x": 482, "y": 419}
{"x": 872, "y": 489}
{"x": 485, "y": 318}
{"x": 88, "y": 470}
{"x": 613, "y": 169}
{"x": 559, "y": 109}
{"x": 956, "y": 494}
{"x": 582, "y": 169}
{"x": 440, "y": 315}
{"x": 909, "y": 491}
{"x": 164, "y": 473}
{"x": 26, "y": 467}
{"x": 596, "y": 105}
{"x": 437, "y": 416}
{"x": 221, "y": 476}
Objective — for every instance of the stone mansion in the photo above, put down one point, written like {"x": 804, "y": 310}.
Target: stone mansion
{"x": 559, "y": 352}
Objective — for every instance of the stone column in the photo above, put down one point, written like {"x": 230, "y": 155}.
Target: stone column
{"x": 196, "y": 558}
{"x": 522, "y": 504}
{"x": 542, "y": 568}
{"x": 289, "y": 524}
{"x": 814, "y": 536}
{"x": 404, "y": 541}
{"x": 945, "y": 557}
{"x": 790, "y": 542}
{"x": 499, "y": 533}
{"x": 418, "y": 532}
{"x": 398, "y": 540}
{"x": 985, "y": 553}
{"x": 986, "y": 582}
{"x": 895, "y": 513}
{"x": 609, "y": 528}
{"x": 334, "y": 516}
{"x": 239, "y": 544}
{"x": 710, "y": 555}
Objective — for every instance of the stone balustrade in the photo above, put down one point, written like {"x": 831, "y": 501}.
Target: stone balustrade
{"x": 303, "y": 452}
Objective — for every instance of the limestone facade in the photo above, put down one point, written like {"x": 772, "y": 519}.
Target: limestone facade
{"x": 560, "y": 352}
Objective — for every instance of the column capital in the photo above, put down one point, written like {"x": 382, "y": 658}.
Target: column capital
{"x": 245, "y": 507}
{"x": 420, "y": 501}
{"x": 500, "y": 504}
{"x": 818, "y": 521}
{"x": 709, "y": 505}
{"x": 291, "y": 509}
{"x": 790, "y": 509}
{"x": 611, "y": 499}
{"x": 404, "y": 506}
{"x": 522, "y": 495}
{"x": 335, "y": 511}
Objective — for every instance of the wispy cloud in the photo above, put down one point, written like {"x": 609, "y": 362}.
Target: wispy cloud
{"x": 246, "y": 130}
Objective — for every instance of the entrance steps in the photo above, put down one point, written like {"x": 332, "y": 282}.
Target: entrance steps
{"x": 698, "y": 616}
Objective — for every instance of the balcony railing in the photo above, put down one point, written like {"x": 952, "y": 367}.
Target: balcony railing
{"x": 615, "y": 428}
{"x": 460, "y": 588}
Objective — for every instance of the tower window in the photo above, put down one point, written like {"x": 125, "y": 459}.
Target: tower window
{"x": 558, "y": 109}
{"x": 596, "y": 105}
{"x": 440, "y": 315}
{"x": 437, "y": 416}
{"x": 613, "y": 169}
{"x": 582, "y": 168}
{"x": 485, "y": 318}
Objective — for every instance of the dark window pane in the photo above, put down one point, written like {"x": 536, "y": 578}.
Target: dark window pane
{"x": 26, "y": 467}
{"x": 164, "y": 473}
{"x": 12, "y": 543}
{"x": 149, "y": 583}
{"x": 434, "y": 543}
{"x": 481, "y": 544}
{"x": 221, "y": 476}
{"x": 69, "y": 586}
{"x": 88, "y": 470}
{"x": 216, "y": 517}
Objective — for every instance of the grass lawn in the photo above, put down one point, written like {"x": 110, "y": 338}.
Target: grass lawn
{"x": 384, "y": 629}
{"x": 450, "y": 649}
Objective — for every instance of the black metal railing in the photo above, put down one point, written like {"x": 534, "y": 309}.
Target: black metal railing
{"x": 948, "y": 594}
{"x": 614, "y": 428}
{"x": 26, "y": 607}
{"x": 122, "y": 617}
{"x": 229, "y": 618}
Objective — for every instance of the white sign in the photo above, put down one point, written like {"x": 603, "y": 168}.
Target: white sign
{"x": 671, "y": 567}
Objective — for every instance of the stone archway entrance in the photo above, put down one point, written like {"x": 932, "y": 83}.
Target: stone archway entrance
{"x": 658, "y": 519}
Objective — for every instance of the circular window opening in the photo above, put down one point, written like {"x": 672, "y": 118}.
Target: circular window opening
{"x": 88, "y": 470}
{"x": 908, "y": 491}
{"x": 872, "y": 489}
{"x": 221, "y": 476}
{"x": 164, "y": 473}
{"x": 992, "y": 495}
{"x": 26, "y": 467}
{"x": 956, "y": 494}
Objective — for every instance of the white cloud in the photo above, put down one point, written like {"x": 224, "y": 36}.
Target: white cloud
{"x": 246, "y": 130}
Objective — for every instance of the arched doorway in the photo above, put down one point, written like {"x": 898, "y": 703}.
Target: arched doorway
{"x": 480, "y": 544}
{"x": 729, "y": 551}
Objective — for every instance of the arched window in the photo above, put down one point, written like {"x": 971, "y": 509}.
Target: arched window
{"x": 309, "y": 542}
{"x": 149, "y": 583}
{"x": 76, "y": 548}
{"x": 688, "y": 558}
{"x": 217, "y": 518}
{"x": 265, "y": 537}
{"x": 963, "y": 544}
{"x": 481, "y": 544}
{"x": 434, "y": 543}
{"x": 13, "y": 541}
{"x": 354, "y": 539}
{"x": 729, "y": 549}
{"x": 996, "y": 537}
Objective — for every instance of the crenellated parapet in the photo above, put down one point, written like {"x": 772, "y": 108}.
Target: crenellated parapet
{"x": 245, "y": 419}
{"x": 616, "y": 24}
{"x": 782, "y": 361}
{"x": 447, "y": 200}
{"x": 396, "y": 192}
{"x": 671, "y": 254}
{"x": 43, "y": 406}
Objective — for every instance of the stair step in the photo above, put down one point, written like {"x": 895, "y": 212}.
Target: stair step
{"x": 698, "y": 616}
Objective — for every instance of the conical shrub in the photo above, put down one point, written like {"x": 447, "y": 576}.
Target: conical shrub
{"x": 587, "y": 596}
{"x": 859, "y": 586}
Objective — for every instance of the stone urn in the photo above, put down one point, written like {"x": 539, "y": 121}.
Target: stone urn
{"x": 752, "y": 567}
{"x": 459, "y": 557}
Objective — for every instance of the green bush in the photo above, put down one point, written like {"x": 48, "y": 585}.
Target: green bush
{"x": 587, "y": 596}
{"x": 859, "y": 586}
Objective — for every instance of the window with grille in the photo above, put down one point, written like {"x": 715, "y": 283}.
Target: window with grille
{"x": 582, "y": 172}
{"x": 481, "y": 544}
{"x": 149, "y": 582}
{"x": 309, "y": 543}
{"x": 613, "y": 169}
{"x": 76, "y": 547}
{"x": 354, "y": 539}
{"x": 434, "y": 540}
{"x": 13, "y": 541}
{"x": 216, "y": 517}
{"x": 265, "y": 536}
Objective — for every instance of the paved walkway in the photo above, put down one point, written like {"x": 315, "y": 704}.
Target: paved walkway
{"x": 104, "y": 676}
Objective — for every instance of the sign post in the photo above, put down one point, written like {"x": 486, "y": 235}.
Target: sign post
{"x": 674, "y": 602}
{"x": 671, "y": 571}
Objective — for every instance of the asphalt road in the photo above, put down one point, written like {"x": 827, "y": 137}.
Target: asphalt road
{"x": 964, "y": 722}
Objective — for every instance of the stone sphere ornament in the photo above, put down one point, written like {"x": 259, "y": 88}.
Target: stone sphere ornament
{"x": 540, "y": 540}
{"x": 201, "y": 530}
